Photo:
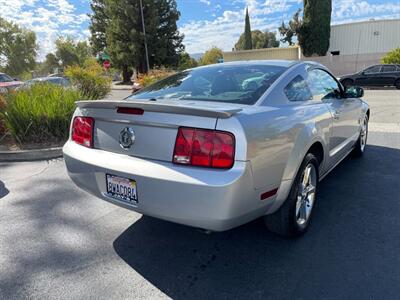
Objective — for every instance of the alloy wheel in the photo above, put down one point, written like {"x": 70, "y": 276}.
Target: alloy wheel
{"x": 363, "y": 134}
{"x": 306, "y": 195}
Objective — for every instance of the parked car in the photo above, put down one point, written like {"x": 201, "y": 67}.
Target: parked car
{"x": 61, "y": 81}
{"x": 378, "y": 75}
{"x": 8, "y": 83}
{"x": 202, "y": 149}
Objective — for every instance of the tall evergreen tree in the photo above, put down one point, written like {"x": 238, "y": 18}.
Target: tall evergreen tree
{"x": 98, "y": 24}
{"x": 247, "y": 33}
{"x": 316, "y": 28}
{"x": 125, "y": 39}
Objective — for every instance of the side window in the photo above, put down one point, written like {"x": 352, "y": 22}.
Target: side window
{"x": 297, "y": 90}
{"x": 371, "y": 70}
{"x": 322, "y": 85}
{"x": 388, "y": 69}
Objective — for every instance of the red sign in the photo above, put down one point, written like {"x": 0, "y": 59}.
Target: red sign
{"x": 106, "y": 64}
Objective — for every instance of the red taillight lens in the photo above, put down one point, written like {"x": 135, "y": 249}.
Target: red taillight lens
{"x": 82, "y": 131}
{"x": 205, "y": 148}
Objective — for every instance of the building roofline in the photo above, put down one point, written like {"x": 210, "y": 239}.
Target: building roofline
{"x": 367, "y": 21}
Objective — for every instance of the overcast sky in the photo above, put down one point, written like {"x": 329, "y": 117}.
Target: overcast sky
{"x": 205, "y": 23}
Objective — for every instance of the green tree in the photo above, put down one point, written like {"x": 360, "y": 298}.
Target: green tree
{"x": 247, "y": 32}
{"x": 211, "y": 56}
{"x": 392, "y": 57}
{"x": 293, "y": 29}
{"x": 259, "y": 39}
{"x": 98, "y": 24}
{"x": 186, "y": 62}
{"x": 316, "y": 28}
{"x": 18, "y": 48}
{"x": 51, "y": 62}
{"x": 69, "y": 52}
{"x": 125, "y": 39}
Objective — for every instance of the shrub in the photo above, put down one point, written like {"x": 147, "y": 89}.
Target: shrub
{"x": 89, "y": 79}
{"x": 211, "y": 56}
{"x": 153, "y": 76}
{"x": 392, "y": 57}
{"x": 39, "y": 114}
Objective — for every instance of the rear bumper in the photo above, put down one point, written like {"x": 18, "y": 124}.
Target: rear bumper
{"x": 211, "y": 199}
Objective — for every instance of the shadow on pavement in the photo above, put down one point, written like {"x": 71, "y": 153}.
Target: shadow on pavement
{"x": 3, "y": 190}
{"x": 350, "y": 250}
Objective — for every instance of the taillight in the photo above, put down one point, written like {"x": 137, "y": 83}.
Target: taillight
{"x": 82, "y": 131}
{"x": 205, "y": 148}
{"x": 130, "y": 110}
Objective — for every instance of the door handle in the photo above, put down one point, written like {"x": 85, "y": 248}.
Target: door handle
{"x": 336, "y": 114}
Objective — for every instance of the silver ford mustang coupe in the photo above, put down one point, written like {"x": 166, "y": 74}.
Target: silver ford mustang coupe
{"x": 217, "y": 146}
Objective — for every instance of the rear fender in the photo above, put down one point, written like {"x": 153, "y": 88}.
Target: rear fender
{"x": 309, "y": 134}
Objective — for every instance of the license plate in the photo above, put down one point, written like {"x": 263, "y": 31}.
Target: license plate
{"x": 120, "y": 188}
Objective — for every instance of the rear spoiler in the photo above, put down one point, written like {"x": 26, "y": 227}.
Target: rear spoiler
{"x": 166, "y": 107}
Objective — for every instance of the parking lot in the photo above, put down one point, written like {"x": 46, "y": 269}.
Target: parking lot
{"x": 56, "y": 241}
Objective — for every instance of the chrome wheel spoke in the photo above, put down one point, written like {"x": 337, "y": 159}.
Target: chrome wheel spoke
{"x": 306, "y": 176}
{"x": 310, "y": 189}
{"x": 303, "y": 212}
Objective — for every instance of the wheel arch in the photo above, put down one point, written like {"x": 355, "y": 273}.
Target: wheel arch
{"x": 316, "y": 146}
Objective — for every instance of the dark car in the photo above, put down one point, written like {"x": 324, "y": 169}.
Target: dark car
{"x": 8, "y": 83}
{"x": 378, "y": 75}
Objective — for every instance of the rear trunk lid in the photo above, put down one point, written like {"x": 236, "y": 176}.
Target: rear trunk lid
{"x": 153, "y": 133}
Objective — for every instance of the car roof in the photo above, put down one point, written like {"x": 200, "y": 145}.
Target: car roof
{"x": 281, "y": 63}
{"x": 46, "y": 78}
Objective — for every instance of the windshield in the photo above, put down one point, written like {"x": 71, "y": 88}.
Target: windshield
{"x": 231, "y": 84}
{"x": 5, "y": 78}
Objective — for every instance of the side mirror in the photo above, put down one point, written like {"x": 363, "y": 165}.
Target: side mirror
{"x": 15, "y": 79}
{"x": 354, "y": 92}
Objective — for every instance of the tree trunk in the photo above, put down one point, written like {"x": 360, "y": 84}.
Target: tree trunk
{"x": 126, "y": 74}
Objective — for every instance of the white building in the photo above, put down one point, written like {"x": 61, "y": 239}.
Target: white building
{"x": 353, "y": 47}
{"x": 369, "y": 37}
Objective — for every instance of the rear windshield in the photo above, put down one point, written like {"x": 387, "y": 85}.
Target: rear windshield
{"x": 231, "y": 84}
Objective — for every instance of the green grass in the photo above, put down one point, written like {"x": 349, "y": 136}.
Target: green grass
{"x": 40, "y": 114}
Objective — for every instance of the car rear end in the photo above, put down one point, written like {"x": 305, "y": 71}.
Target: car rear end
{"x": 164, "y": 160}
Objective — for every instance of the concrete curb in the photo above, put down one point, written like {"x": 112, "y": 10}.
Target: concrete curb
{"x": 30, "y": 155}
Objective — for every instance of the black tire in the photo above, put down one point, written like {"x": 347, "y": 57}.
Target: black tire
{"x": 284, "y": 221}
{"x": 397, "y": 84}
{"x": 359, "y": 147}
{"x": 347, "y": 82}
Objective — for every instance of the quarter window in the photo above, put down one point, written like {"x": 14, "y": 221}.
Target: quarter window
{"x": 297, "y": 90}
{"x": 322, "y": 85}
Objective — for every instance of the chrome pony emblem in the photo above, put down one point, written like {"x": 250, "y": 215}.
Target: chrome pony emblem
{"x": 127, "y": 137}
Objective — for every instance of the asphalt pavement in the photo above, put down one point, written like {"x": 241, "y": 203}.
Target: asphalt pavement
{"x": 58, "y": 242}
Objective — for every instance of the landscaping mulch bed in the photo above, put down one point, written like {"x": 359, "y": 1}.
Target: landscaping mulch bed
{"x": 7, "y": 143}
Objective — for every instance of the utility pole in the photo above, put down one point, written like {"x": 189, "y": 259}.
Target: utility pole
{"x": 145, "y": 40}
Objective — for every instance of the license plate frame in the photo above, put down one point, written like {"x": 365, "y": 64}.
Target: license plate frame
{"x": 122, "y": 189}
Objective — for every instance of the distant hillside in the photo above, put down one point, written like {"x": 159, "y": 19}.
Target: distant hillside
{"x": 196, "y": 56}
